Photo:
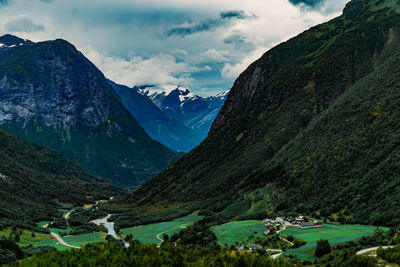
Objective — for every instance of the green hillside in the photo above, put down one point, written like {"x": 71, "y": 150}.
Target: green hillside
{"x": 33, "y": 179}
{"x": 310, "y": 127}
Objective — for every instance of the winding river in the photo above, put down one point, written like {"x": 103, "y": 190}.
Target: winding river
{"x": 110, "y": 227}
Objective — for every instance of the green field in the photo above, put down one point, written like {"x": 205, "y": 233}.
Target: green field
{"x": 148, "y": 233}
{"x": 76, "y": 240}
{"x": 336, "y": 234}
{"x": 239, "y": 231}
{"x": 26, "y": 236}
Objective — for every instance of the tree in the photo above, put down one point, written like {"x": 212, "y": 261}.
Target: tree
{"x": 323, "y": 247}
{"x": 128, "y": 238}
{"x": 165, "y": 237}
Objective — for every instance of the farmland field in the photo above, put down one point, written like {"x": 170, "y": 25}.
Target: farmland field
{"x": 26, "y": 236}
{"x": 238, "y": 231}
{"x": 148, "y": 233}
{"x": 76, "y": 240}
{"x": 336, "y": 234}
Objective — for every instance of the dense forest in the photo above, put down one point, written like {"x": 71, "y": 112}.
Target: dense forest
{"x": 114, "y": 254}
{"x": 35, "y": 179}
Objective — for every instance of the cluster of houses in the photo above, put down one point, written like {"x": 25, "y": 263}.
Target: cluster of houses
{"x": 269, "y": 227}
{"x": 301, "y": 221}
{"x": 252, "y": 247}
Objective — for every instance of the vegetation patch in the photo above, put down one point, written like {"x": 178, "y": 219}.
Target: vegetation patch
{"x": 239, "y": 231}
{"x": 153, "y": 233}
{"x": 335, "y": 234}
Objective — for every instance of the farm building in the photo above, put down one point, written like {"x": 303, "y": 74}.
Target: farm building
{"x": 240, "y": 247}
{"x": 254, "y": 247}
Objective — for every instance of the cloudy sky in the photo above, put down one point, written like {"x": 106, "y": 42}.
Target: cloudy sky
{"x": 200, "y": 44}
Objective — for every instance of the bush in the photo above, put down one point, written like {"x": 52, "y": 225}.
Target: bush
{"x": 323, "y": 247}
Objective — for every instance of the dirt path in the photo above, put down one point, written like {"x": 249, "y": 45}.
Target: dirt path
{"x": 183, "y": 226}
{"x": 68, "y": 214}
{"x": 286, "y": 240}
{"x": 371, "y": 249}
{"x": 276, "y": 255}
{"x": 62, "y": 242}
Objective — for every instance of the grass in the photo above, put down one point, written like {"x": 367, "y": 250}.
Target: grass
{"x": 239, "y": 231}
{"x": 76, "y": 240}
{"x": 335, "y": 234}
{"x": 148, "y": 233}
{"x": 26, "y": 236}
{"x": 82, "y": 240}
{"x": 42, "y": 223}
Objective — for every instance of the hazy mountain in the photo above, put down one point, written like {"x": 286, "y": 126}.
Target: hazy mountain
{"x": 196, "y": 112}
{"x": 166, "y": 130}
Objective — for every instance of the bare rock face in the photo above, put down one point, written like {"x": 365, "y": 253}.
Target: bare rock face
{"x": 51, "y": 94}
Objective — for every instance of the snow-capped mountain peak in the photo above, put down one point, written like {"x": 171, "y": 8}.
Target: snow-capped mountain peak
{"x": 10, "y": 41}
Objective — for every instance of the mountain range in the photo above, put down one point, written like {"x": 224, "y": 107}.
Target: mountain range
{"x": 310, "y": 127}
{"x": 161, "y": 127}
{"x": 52, "y": 95}
{"x": 195, "y": 112}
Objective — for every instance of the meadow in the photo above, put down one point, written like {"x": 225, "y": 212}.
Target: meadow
{"x": 335, "y": 234}
{"x": 239, "y": 231}
{"x": 75, "y": 240}
{"x": 153, "y": 233}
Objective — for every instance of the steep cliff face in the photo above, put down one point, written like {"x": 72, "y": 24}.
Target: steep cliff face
{"x": 51, "y": 94}
{"x": 244, "y": 167}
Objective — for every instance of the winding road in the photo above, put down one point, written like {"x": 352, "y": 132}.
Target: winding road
{"x": 62, "y": 242}
{"x": 360, "y": 252}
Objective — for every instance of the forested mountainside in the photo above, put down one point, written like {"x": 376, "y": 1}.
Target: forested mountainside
{"x": 195, "y": 112}
{"x": 52, "y": 95}
{"x": 310, "y": 127}
{"x": 166, "y": 130}
{"x": 34, "y": 178}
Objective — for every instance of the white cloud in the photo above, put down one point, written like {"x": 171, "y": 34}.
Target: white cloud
{"x": 157, "y": 70}
{"x": 213, "y": 55}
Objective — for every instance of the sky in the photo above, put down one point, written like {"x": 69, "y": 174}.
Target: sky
{"x": 202, "y": 45}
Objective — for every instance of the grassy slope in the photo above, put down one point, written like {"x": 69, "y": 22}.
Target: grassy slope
{"x": 279, "y": 144}
{"x": 335, "y": 234}
{"x": 148, "y": 233}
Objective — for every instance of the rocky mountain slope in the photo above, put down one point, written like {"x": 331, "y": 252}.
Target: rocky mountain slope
{"x": 195, "y": 112}
{"x": 310, "y": 127}
{"x": 52, "y": 95}
{"x": 33, "y": 177}
{"x": 166, "y": 130}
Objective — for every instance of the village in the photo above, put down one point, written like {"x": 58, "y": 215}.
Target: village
{"x": 277, "y": 225}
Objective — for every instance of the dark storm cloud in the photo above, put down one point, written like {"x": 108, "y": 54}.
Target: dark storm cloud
{"x": 208, "y": 25}
{"x": 194, "y": 28}
{"x": 230, "y": 14}
{"x": 309, "y": 3}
